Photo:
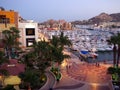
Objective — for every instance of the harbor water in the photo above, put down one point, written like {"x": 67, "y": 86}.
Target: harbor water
{"x": 102, "y": 56}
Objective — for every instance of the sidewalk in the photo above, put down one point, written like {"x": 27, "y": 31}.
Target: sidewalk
{"x": 71, "y": 80}
{"x": 50, "y": 81}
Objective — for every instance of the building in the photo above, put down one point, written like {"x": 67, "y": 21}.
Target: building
{"x": 110, "y": 25}
{"x": 28, "y": 33}
{"x": 8, "y": 19}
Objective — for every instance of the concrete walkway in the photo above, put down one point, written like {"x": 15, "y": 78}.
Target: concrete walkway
{"x": 83, "y": 76}
{"x": 79, "y": 76}
{"x": 50, "y": 81}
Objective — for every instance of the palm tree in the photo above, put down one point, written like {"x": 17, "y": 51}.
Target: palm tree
{"x": 28, "y": 59}
{"x": 36, "y": 61}
{"x": 30, "y": 78}
{"x": 11, "y": 40}
{"x": 57, "y": 46}
{"x": 39, "y": 57}
{"x": 55, "y": 41}
{"x": 113, "y": 40}
{"x": 42, "y": 50}
{"x": 3, "y": 59}
{"x": 118, "y": 43}
{"x": 64, "y": 40}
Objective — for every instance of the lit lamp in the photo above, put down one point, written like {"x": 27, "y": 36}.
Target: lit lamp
{"x": 64, "y": 63}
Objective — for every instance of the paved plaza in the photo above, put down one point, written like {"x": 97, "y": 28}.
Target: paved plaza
{"x": 77, "y": 75}
{"x": 83, "y": 76}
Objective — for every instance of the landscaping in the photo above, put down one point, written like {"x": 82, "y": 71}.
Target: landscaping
{"x": 56, "y": 72}
{"x": 36, "y": 59}
{"x": 115, "y": 73}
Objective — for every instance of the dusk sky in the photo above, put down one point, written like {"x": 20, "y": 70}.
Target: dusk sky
{"x": 70, "y": 10}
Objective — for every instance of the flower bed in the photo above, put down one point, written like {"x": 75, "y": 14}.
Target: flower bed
{"x": 56, "y": 73}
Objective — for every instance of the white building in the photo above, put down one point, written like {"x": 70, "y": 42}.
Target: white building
{"x": 28, "y": 33}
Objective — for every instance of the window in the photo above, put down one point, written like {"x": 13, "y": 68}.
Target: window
{"x": 4, "y": 20}
{"x": 30, "y": 31}
{"x": 30, "y": 41}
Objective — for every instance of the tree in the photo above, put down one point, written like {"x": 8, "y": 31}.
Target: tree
{"x": 57, "y": 47}
{"x": 28, "y": 59}
{"x": 31, "y": 79}
{"x": 118, "y": 43}
{"x": 42, "y": 51}
{"x": 3, "y": 59}
{"x": 55, "y": 41}
{"x": 39, "y": 57}
{"x": 11, "y": 40}
{"x": 64, "y": 40}
{"x": 57, "y": 44}
{"x": 113, "y": 41}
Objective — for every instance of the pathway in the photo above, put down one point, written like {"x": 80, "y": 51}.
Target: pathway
{"x": 50, "y": 81}
{"x": 83, "y": 76}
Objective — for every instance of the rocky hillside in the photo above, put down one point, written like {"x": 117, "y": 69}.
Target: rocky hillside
{"x": 103, "y": 17}
{"x": 115, "y": 17}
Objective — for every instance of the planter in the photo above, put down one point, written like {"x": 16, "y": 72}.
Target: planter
{"x": 55, "y": 72}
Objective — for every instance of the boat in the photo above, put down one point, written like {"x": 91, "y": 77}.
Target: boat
{"x": 93, "y": 55}
{"x": 88, "y": 54}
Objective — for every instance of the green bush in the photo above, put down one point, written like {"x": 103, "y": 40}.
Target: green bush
{"x": 115, "y": 72}
{"x": 115, "y": 77}
{"x": 33, "y": 78}
{"x": 118, "y": 70}
{"x": 111, "y": 70}
{"x": 9, "y": 87}
{"x": 56, "y": 73}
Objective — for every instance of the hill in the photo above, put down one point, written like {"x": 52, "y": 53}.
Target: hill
{"x": 103, "y": 17}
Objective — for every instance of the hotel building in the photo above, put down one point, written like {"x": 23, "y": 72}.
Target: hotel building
{"x": 28, "y": 33}
{"x": 7, "y": 19}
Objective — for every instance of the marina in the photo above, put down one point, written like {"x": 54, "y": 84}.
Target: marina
{"x": 59, "y": 45}
{"x": 84, "y": 39}
{"x": 87, "y": 43}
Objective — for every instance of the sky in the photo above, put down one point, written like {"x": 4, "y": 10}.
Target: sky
{"x": 69, "y": 10}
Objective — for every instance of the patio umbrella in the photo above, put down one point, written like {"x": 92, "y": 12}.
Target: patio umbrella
{"x": 12, "y": 80}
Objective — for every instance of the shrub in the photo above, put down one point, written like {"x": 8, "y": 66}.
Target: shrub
{"x": 9, "y": 87}
{"x": 56, "y": 73}
{"x": 111, "y": 70}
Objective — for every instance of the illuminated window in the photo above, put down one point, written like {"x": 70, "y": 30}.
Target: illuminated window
{"x": 30, "y": 31}
{"x": 30, "y": 41}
